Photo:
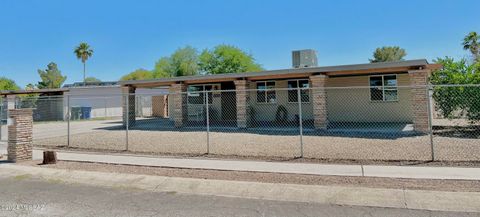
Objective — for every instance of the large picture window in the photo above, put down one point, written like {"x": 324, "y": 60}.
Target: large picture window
{"x": 383, "y": 88}
{"x": 196, "y": 94}
{"x": 292, "y": 92}
{"x": 266, "y": 92}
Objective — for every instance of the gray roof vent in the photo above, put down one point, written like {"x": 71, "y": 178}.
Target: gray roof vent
{"x": 304, "y": 58}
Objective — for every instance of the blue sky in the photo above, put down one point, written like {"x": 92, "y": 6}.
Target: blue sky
{"x": 127, "y": 35}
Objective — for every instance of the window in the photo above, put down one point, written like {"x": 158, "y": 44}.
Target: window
{"x": 196, "y": 94}
{"x": 292, "y": 92}
{"x": 266, "y": 92}
{"x": 383, "y": 88}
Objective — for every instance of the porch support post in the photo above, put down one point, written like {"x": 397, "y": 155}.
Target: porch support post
{"x": 319, "y": 101}
{"x": 419, "y": 91}
{"x": 177, "y": 93}
{"x": 242, "y": 100}
{"x": 128, "y": 93}
{"x": 11, "y": 101}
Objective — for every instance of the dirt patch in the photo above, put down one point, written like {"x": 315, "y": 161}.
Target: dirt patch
{"x": 372, "y": 182}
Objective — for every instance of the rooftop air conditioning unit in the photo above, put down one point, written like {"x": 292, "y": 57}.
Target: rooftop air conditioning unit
{"x": 304, "y": 58}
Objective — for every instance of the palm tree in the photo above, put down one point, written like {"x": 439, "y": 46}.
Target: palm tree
{"x": 83, "y": 52}
{"x": 471, "y": 43}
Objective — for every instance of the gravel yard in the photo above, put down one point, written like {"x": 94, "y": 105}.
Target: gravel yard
{"x": 261, "y": 145}
{"x": 450, "y": 144}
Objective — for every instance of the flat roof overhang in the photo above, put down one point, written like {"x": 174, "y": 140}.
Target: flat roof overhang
{"x": 58, "y": 91}
{"x": 342, "y": 70}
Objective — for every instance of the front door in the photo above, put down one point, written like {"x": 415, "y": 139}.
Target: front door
{"x": 229, "y": 102}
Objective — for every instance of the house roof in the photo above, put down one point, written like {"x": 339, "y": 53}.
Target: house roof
{"x": 57, "y": 91}
{"x": 91, "y": 84}
{"x": 397, "y": 66}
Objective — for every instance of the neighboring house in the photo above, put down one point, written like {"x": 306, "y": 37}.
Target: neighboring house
{"x": 99, "y": 99}
{"x": 376, "y": 93}
{"x": 104, "y": 99}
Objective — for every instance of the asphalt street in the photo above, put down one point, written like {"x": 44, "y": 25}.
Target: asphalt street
{"x": 27, "y": 196}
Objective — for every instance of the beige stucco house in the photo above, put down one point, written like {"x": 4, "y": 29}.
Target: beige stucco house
{"x": 388, "y": 92}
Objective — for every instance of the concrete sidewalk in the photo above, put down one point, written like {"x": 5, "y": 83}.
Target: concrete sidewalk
{"x": 276, "y": 167}
{"x": 339, "y": 195}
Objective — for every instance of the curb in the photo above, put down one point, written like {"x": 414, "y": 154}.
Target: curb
{"x": 338, "y": 195}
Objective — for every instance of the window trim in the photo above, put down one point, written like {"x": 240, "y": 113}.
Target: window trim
{"x": 383, "y": 88}
{"x": 266, "y": 90}
{"x": 201, "y": 85}
{"x": 309, "y": 92}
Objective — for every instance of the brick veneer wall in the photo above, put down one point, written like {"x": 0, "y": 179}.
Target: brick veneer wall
{"x": 418, "y": 81}
{"x": 319, "y": 101}
{"x": 242, "y": 102}
{"x": 179, "y": 97}
{"x": 20, "y": 135}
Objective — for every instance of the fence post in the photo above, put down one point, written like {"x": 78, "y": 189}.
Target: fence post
{"x": 1, "y": 121}
{"x": 127, "y": 116}
{"x": 300, "y": 120}
{"x": 105, "y": 115}
{"x": 68, "y": 120}
{"x": 430, "y": 122}
{"x": 1, "y": 116}
{"x": 205, "y": 96}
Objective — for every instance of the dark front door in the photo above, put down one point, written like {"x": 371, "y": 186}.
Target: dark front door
{"x": 229, "y": 102}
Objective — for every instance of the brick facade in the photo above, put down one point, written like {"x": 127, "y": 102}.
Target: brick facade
{"x": 418, "y": 81}
{"x": 319, "y": 101}
{"x": 242, "y": 98}
{"x": 179, "y": 98}
{"x": 20, "y": 135}
{"x": 128, "y": 93}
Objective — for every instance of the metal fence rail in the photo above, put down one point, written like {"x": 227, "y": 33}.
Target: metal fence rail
{"x": 402, "y": 123}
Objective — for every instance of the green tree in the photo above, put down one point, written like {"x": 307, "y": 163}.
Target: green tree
{"x": 51, "y": 77}
{"x": 29, "y": 100}
{"x": 163, "y": 68}
{"x": 8, "y": 84}
{"x": 183, "y": 62}
{"x": 388, "y": 53}
{"x": 83, "y": 53}
{"x": 30, "y": 86}
{"x": 472, "y": 44}
{"x": 227, "y": 59}
{"x": 454, "y": 100}
{"x": 92, "y": 79}
{"x": 139, "y": 74}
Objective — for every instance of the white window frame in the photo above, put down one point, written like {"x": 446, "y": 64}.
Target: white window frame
{"x": 383, "y": 87}
{"x": 266, "y": 90}
{"x": 298, "y": 80}
{"x": 203, "y": 87}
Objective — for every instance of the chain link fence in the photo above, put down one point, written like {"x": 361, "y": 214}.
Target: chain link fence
{"x": 335, "y": 123}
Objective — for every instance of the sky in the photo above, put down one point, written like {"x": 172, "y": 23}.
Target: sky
{"x": 127, "y": 35}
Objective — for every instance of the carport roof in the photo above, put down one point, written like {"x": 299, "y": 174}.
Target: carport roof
{"x": 57, "y": 91}
{"x": 354, "y": 69}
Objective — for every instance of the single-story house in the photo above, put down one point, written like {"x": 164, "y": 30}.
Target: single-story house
{"x": 104, "y": 99}
{"x": 359, "y": 93}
